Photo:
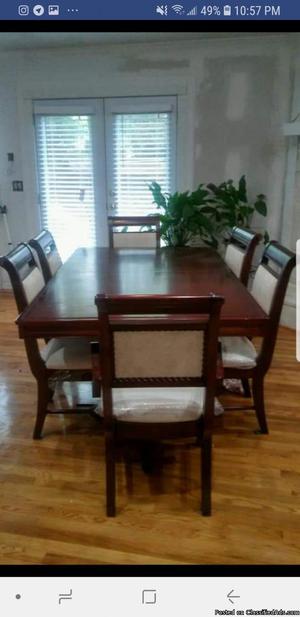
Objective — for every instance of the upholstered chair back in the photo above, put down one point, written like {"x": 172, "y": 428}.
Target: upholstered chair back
{"x": 240, "y": 250}
{"x": 25, "y": 276}
{"x": 134, "y": 240}
{"x": 150, "y": 354}
{"x": 134, "y": 232}
{"x": 272, "y": 277}
{"x": 234, "y": 257}
{"x": 269, "y": 289}
{"x": 48, "y": 255}
{"x": 163, "y": 353}
{"x": 264, "y": 287}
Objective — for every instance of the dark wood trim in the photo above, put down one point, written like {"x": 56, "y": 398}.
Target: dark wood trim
{"x": 177, "y": 272}
{"x": 88, "y": 328}
{"x": 156, "y": 305}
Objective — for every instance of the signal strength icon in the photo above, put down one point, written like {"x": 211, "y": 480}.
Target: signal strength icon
{"x": 178, "y": 8}
{"x": 193, "y": 11}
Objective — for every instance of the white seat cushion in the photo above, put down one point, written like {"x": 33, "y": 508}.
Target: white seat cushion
{"x": 238, "y": 352}
{"x": 67, "y": 354}
{"x": 159, "y": 404}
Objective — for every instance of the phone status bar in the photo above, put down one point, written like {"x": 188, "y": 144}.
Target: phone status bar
{"x": 162, "y": 11}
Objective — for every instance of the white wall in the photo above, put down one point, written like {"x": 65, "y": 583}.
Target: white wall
{"x": 234, "y": 96}
{"x": 290, "y": 219}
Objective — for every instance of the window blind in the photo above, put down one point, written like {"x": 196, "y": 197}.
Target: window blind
{"x": 142, "y": 150}
{"x": 66, "y": 179}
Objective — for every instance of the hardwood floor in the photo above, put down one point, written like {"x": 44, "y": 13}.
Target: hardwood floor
{"x": 52, "y": 491}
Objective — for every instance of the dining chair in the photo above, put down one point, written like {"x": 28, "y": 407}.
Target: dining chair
{"x": 142, "y": 238}
{"x": 61, "y": 359}
{"x": 48, "y": 255}
{"x": 159, "y": 380}
{"x": 239, "y": 256}
{"x": 239, "y": 356}
{"x": 240, "y": 250}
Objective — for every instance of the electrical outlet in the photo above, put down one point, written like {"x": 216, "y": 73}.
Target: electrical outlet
{"x": 17, "y": 185}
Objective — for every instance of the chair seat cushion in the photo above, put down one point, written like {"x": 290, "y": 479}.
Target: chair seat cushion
{"x": 238, "y": 352}
{"x": 157, "y": 404}
{"x": 70, "y": 353}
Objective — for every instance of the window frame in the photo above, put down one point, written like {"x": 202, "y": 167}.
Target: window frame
{"x": 131, "y": 105}
{"x": 77, "y": 107}
{"x": 101, "y": 111}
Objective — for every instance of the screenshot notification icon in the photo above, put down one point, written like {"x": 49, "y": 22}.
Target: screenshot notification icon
{"x": 53, "y": 10}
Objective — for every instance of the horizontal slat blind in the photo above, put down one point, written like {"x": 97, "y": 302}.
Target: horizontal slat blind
{"x": 141, "y": 151}
{"x": 66, "y": 179}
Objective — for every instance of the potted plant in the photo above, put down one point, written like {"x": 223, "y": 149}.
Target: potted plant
{"x": 233, "y": 208}
{"x": 185, "y": 216}
{"x": 206, "y": 214}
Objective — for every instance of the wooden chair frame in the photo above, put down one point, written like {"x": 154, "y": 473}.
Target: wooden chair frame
{"x": 247, "y": 241}
{"x": 284, "y": 260}
{"x": 208, "y": 310}
{"x": 18, "y": 263}
{"x": 44, "y": 245}
{"x": 133, "y": 221}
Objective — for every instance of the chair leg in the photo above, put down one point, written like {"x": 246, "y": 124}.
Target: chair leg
{"x": 259, "y": 404}
{"x": 43, "y": 399}
{"x": 96, "y": 388}
{"x": 110, "y": 475}
{"x": 50, "y": 394}
{"x": 206, "y": 461}
{"x": 149, "y": 457}
{"x": 246, "y": 387}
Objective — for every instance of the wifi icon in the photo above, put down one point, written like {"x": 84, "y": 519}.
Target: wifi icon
{"x": 178, "y": 8}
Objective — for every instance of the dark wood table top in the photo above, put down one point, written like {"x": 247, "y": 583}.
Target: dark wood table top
{"x": 66, "y": 305}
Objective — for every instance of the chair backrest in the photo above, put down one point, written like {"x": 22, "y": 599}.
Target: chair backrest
{"x": 269, "y": 288}
{"x": 166, "y": 352}
{"x": 240, "y": 250}
{"x": 143, "y": 238}
{"x": 27, "y": 281}
{"x": 25, "y": 276}
{"x": 46, "y": 249}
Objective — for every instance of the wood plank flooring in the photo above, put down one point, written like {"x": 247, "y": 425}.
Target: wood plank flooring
{"x": 52, "y": 491}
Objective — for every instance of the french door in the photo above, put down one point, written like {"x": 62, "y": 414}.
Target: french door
{"x": 98, "y": 157}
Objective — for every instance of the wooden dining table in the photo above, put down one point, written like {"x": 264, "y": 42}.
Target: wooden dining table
{"x": 66, "y": 307}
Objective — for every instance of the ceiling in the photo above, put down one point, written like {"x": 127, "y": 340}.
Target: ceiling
{"x": 42, "y": 40}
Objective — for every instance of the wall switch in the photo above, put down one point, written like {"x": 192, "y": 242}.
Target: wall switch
{"x": 17, "y": 185}
{"x": 10, "y": 156}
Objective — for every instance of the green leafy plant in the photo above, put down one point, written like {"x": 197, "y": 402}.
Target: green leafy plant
{"x": 233, "y": 208}
{"x": 185, "y": 216}
{"x": 208, "y": 213}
